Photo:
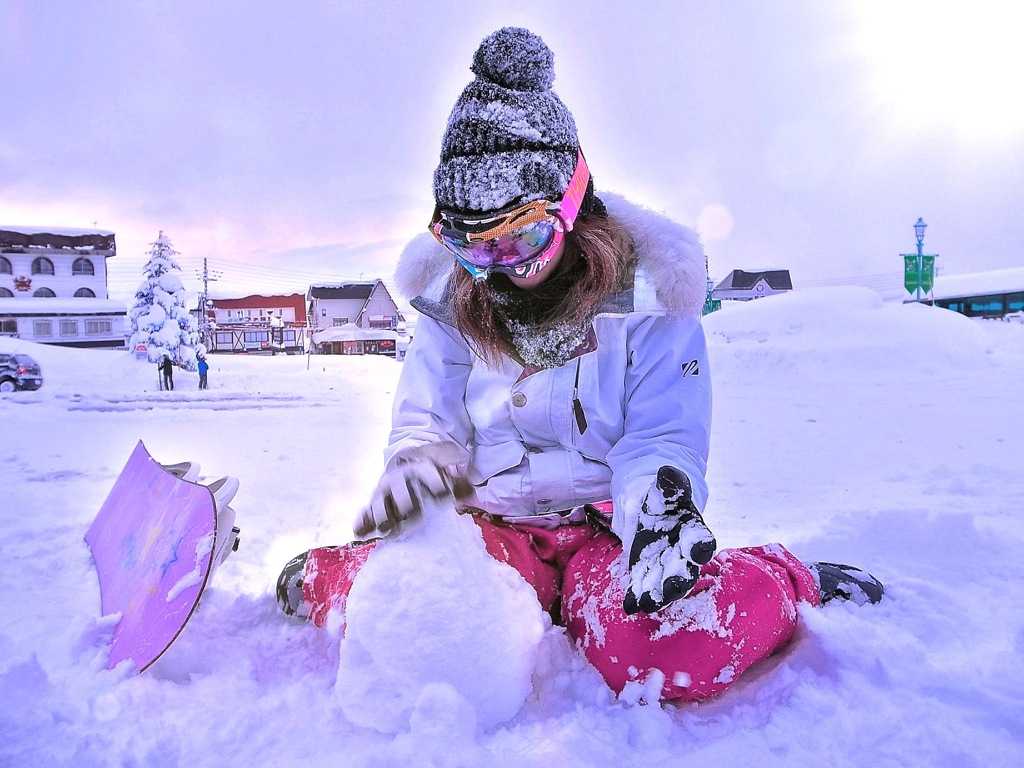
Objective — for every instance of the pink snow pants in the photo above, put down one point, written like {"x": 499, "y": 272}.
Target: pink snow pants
{"x": 742, "y": 609}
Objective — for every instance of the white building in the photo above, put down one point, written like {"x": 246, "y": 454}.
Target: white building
{"x": 53, "y": 287}
{"x": 359, "y": 318}
{"x": 365, "y": 304}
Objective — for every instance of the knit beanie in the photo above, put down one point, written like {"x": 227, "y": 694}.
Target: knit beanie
{"x": 509, "y": 139}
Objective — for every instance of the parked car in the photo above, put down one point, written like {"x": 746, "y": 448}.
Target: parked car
{"x": 19, "y": 372}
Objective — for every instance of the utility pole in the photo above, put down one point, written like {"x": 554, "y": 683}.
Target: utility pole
{"x": 204, "y": 303}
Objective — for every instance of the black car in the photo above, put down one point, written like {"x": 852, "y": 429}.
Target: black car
{"x": 19, "y": 372}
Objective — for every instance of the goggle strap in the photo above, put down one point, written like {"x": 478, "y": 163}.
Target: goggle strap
{"x": 576, "y": 192}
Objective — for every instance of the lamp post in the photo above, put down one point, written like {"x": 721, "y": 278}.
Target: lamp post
{"x": 919, "y": 268}
{"x": 919, "y": 229}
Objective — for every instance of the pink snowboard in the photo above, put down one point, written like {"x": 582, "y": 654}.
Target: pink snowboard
{"x": 152, "y": 543}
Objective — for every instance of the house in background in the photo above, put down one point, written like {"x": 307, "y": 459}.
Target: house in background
{"x": 255, "y": 324}
{"x": 366, "y": 306}
{"x": 53, "y": 287}
{"x": 745, "y": 286}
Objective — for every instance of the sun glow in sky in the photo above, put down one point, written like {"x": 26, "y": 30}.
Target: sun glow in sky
{"x": 295, "y": 143}
{"x": 945, "y": 64}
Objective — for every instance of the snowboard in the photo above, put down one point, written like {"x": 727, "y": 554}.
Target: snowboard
{"x": 153, "y": 545}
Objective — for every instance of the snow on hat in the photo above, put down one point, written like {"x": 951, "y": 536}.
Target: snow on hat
{"x": 509, "y": 137}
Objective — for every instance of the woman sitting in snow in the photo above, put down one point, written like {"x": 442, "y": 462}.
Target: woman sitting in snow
{"x": 558, "y": 385}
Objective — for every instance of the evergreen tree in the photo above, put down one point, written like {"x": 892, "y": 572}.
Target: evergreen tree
{"x": 160, "y": 317}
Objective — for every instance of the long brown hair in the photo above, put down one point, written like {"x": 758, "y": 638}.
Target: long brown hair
{"x": 597, "y": 262}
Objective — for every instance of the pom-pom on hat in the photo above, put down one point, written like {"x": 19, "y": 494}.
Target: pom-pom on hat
{"x": 509, "y": 138}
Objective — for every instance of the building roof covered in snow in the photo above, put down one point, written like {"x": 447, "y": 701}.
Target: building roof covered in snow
{"x": 778, "y": 279}
{"x": 979, "y": 283}
{"x": 56, "y": 238}
{"x": 48, "y": 307}
{"x": 358, "y": 290}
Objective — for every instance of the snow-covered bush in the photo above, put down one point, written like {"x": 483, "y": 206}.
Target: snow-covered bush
{"x": 160, "y": 318}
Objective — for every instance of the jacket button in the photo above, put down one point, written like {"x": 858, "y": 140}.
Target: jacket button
{"x": 518, "y": 399}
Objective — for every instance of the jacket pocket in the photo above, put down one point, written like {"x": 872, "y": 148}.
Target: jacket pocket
{"x": 491, "y": 460}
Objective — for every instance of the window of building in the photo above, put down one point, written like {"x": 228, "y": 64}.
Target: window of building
{"x": 68, "y": 327}
{"x": 1015, "y": 302}
{"x": 224, "y": 338}
{"x": 82, "y": 267}
{"x": 85, "y": 293}
{"x": 985, "y": 305}
{"x": 9, "y": 326}
{"x": 6, "y": 293}
{"x": 256, "y": 337}
{"x": 289, "y": 336}
{"x": 340, "y": 321}
{"x": 5, "y": 266}
{"x": 44, "y": 293}
{"x": 97, "y": 327}
{"x": 42, "y": 328}
{"x": 42, "y": 266}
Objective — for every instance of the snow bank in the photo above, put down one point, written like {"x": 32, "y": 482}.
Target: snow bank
{"x": 848, "y": 328}
{"x": 827, "y": 438}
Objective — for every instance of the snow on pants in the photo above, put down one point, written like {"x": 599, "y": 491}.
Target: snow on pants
{"x": 742, "y": 609}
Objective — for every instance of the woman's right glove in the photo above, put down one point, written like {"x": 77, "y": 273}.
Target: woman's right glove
{"x": 432, "y": 470}
{"x": 671, "y": 544}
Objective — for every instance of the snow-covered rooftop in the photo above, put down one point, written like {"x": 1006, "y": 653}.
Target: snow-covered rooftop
{"x": 979, "y": 283}
{"x": 352, "y": 332}
{"x": 55, "y": 306}
{"x": 66, "y": 231}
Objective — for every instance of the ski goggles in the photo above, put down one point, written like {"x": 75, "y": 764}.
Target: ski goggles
{"x": 517, "y": 241}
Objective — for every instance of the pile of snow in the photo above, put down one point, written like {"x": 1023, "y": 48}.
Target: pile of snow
{"x": 399, "y": 645}
{"x": 847, "y": 327}
{"x": 890, "y": 437}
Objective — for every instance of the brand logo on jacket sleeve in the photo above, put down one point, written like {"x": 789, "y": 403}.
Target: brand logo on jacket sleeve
{"x": 691, "y": 368}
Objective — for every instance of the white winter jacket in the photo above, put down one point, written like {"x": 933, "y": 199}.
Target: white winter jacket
{"x": 645, "y": 391}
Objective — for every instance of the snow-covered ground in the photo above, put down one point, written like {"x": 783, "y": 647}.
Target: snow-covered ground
{"x": 891, "y": 437}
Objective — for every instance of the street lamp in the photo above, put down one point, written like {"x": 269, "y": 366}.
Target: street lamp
{"x": 919, "y": 268}
{"x": 919, "y": 229}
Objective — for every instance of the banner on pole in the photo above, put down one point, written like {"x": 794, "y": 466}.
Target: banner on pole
{"x": 927, "y": 273}
{"x": 910, "y": 277}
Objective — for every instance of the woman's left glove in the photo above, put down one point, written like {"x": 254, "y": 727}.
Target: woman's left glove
{"x": 432, "y": 470}
{"x": 671, "y": 544}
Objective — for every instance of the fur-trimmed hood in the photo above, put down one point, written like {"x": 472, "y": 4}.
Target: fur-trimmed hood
{"x": 671, "y": 272}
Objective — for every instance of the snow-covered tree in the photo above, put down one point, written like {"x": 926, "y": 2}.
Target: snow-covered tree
{"x": 160, "y": 317}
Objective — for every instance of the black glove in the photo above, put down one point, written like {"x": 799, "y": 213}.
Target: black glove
{"x": 670, "y": 546}
{"x": 428, "y": 471}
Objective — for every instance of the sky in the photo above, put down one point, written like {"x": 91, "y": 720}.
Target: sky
{"x": 289, "y": 144}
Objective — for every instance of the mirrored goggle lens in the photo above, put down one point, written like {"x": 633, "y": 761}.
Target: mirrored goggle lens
{"x": 508, "y": 250}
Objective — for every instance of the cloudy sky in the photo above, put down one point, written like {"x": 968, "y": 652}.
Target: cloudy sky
{"x": 293, "y": 142}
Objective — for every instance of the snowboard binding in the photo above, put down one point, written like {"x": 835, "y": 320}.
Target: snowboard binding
{"x": 289, "y": 588}
{"x": 837, "y": 581}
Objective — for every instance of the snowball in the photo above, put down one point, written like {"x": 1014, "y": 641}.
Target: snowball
{"x": 432, "y": 607}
